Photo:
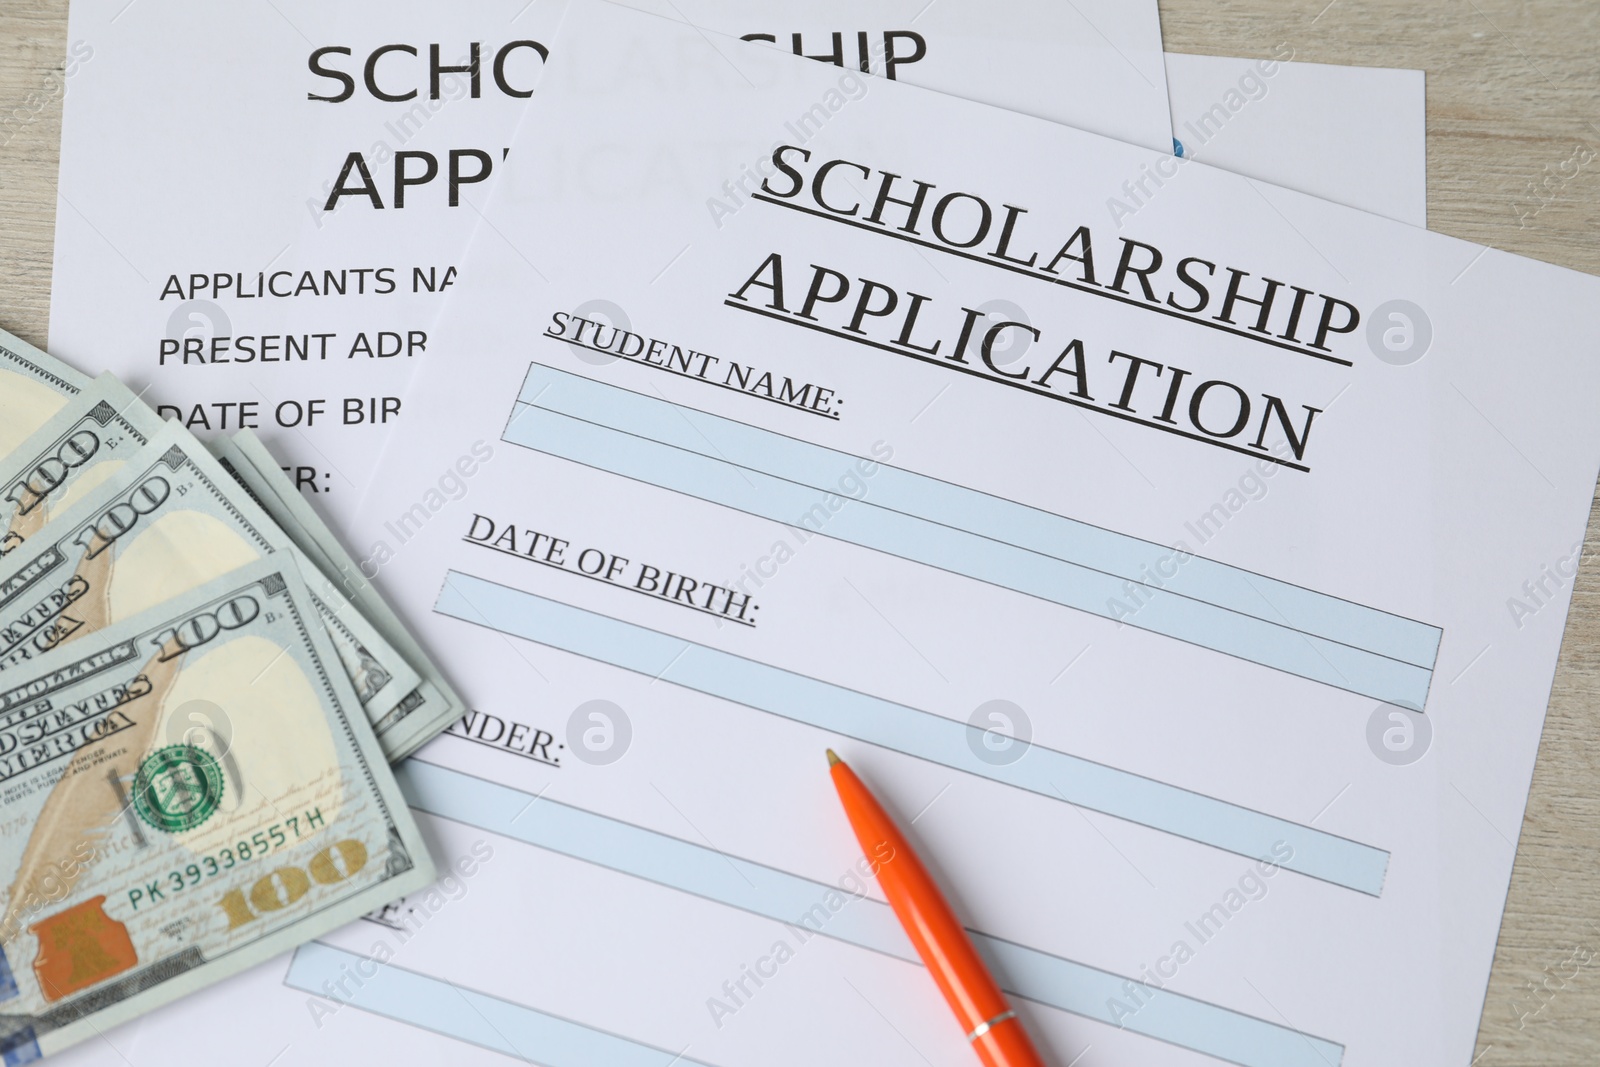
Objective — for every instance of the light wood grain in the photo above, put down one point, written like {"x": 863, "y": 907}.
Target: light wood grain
{"x": 1512, "y": 90}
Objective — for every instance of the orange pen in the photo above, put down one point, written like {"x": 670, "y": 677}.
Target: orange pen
{"x": 991, "y": 1026}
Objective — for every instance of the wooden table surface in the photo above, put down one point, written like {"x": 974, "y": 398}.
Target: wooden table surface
{"x": 1513, "y": 89}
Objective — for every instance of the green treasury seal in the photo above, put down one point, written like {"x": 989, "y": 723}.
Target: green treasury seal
{"x": 177, "y": 788}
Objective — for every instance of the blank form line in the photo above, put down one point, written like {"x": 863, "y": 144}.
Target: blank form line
{"x": 924, "y": 735}
{"x": 684, "y": 867}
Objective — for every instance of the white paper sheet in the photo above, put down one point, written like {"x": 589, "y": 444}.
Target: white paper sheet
{"x": 208, "y": 141}
{"x": 934, "y": 545}
{"x": 262, "y": 1012}
{"x": 1353, "y": 135}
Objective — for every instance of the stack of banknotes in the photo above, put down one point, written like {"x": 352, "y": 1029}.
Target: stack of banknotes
{"x": 200, "y": 696}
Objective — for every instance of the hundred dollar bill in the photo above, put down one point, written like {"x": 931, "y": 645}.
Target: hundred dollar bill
{"x": 435, "y": 704}
{"x": 33, "y": 386}
{"x": 79, "y": 449}
{"x": 182, "y": 796}
{"x": 172, "y": 520}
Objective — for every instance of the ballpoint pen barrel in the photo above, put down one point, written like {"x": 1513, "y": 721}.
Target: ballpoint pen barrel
{"x": 938, "y": 936}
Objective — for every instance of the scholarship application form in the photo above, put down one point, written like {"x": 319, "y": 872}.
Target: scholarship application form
{"x": 1180, "y": 571}
{"x": 263, "y": 206}
{"x": 1275, "y": 99}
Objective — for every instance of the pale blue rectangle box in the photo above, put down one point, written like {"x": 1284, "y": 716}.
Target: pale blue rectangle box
{"x": 496, "y": 1023}
{"x": 1216, "y": 606}
{"x": 911, "y": 731}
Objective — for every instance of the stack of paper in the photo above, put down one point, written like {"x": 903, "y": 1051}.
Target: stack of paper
{"x": 1085, "y": 442}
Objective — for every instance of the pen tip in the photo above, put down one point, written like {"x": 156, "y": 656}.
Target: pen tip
{"x": 833, "y": 758}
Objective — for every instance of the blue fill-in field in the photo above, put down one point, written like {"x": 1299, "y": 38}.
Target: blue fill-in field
{"x": 911, "y": 731}
{"x": 987, "y": 538}
{"x": 467, "y": 1014}
{"x": 1091, "y": 992}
